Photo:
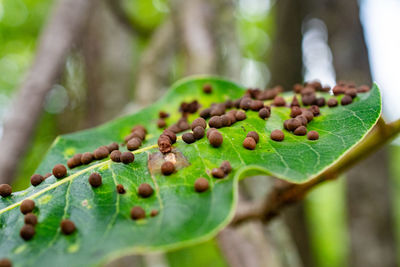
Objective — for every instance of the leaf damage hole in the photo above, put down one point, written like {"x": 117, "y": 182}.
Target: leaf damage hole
{"x": 156, "y": 159}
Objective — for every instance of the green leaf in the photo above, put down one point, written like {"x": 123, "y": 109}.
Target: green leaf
{"x": 104, "y": 228}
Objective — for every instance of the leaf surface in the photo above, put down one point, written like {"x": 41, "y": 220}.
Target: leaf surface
{"x": 102, "y": 217}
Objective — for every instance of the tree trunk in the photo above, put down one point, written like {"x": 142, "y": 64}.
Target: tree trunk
{"x": 286, "y": 56}
{"x": 369, "y": 203}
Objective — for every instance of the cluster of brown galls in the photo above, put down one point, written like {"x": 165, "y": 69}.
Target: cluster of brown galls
{"x": 218, "y": 118}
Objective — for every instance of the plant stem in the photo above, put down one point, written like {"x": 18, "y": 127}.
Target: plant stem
{"x": 284, "y": 193}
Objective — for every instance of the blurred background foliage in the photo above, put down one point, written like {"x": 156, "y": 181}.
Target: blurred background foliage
{"x": 91, "y": 77}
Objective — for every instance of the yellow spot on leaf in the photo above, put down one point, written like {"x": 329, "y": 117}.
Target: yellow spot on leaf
{"x": 45, "y": 199}
{"x": 141, "y": 222}
{"x": 69, "y": 152}
{"x": 20, "y": 249}
{"x": 105, "y": 167}
{"x": 73, "y": 248}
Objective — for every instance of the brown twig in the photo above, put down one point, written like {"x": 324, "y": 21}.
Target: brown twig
{"x": 125, "y": 21}
{"x": 193, "y": 19}
{"x": 154, "y": 64}
{"x": 62, "y": 30}
{"x": 284, "y": 193}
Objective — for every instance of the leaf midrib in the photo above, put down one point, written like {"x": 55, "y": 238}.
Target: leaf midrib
{"x": 72, "y": 177}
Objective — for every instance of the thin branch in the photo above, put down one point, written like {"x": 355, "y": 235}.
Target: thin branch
{"x": 155, "y": 62}
{"x": 284, "y": 193}
{"x": 62, "y": 30}
{"x": 127, "y": 23}
{"x": 193, "y": 19}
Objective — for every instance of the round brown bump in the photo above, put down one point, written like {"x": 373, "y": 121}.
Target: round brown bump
{"x": 245, "y": 103}
{"x": 256, "y": 105}
{"x": 120, "y": 189}
{"x": 346, "y": 100}
{"x": 302, "y": 119}
{"x": 31, "y": 219}
{"x": 295, "y": 111}
{"x": 226, "y": 121}
{"x": 75, "y": 161}
{"x": 207, "y": 88}
{"x": 301, "y": 130}
{"x": 205, "y": 113}
{"x": 171, "y": 135}
{"x": 228, "y": 103}
{"x": 295, "y": 102}
{"x": 139, "y": 128}
{"x": 95, "y": 179}
{"x": 297, "y": 88}
{"x": 215, "y": 122}
{"x": 217, "y": 173}
{"x": 27, "y": 232}
{"x": 240, "y": 115}
{"x": 209, "y": 131}
{"x": 199, "y": 122}
{"x": 154, "y": 213}
{"x": 351, "y": 92}
{"x": 338, "y": 89}
{"x": 161, "y": 123}
{"x": 277, "y": 135}
{"x": 188, "y": 138}
{"x": 226, "y": 167}
{"x": 320, "y": 102}
{"x": 71, "y": 163}
{"x": 145, "y": 190}
{"x": 27, "y": 206}
{"x": 59, "y": 171}
{"x": 312, "y": 135}
{"x": 183, "y": 125}
{"x": 164, "y": 144}
{"x": 201, "y": 185}
{"x": 137, "y": 213}
{"x": 315, "y": 110}
{"x": 363, "y": 89}
{"x": 249, "y": 143}
{"x": 127, "y": 157}
{"x": 36, "y": 179}
{"x": 4, "y": 262}
{"x": 254, "y": 135}
{"x": 87, "y": 157}
{"x": 112, "y": 147}
{"x": 263, "y": 113}
{"x": 215, "y": 138}
{"x": 5, "y": 190}
{"x": 167, "y": 168}
{"x": 332, "y": 102}
{"x": 67, "y": 227}
{"x": 279, "y": 101}
{"x": 116, "y": 156}
{"x": 308, "y": 99}
{"x": 134, "y": 144}
{"x": 162, "y": 114}
{"x": 308, "y": 114}
{"x": 292, "y": 124}
{"x": 231, "y": 116}
{"x": 198, "y": 132}
{"x": 285, "y": 124}
{"x": 101, "y": 152}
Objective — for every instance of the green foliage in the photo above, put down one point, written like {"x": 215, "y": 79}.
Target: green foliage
{"x": 327, "y": 223}
{"x": 204, "y": 254}
{"x": 105, "y": 230}
{"x": 20, "y": 23}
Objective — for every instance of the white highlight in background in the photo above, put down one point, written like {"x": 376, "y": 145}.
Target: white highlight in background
{"x": 381, "y": 22}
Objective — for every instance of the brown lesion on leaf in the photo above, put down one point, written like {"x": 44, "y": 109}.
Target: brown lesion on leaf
{"x": 157, "y": 159}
